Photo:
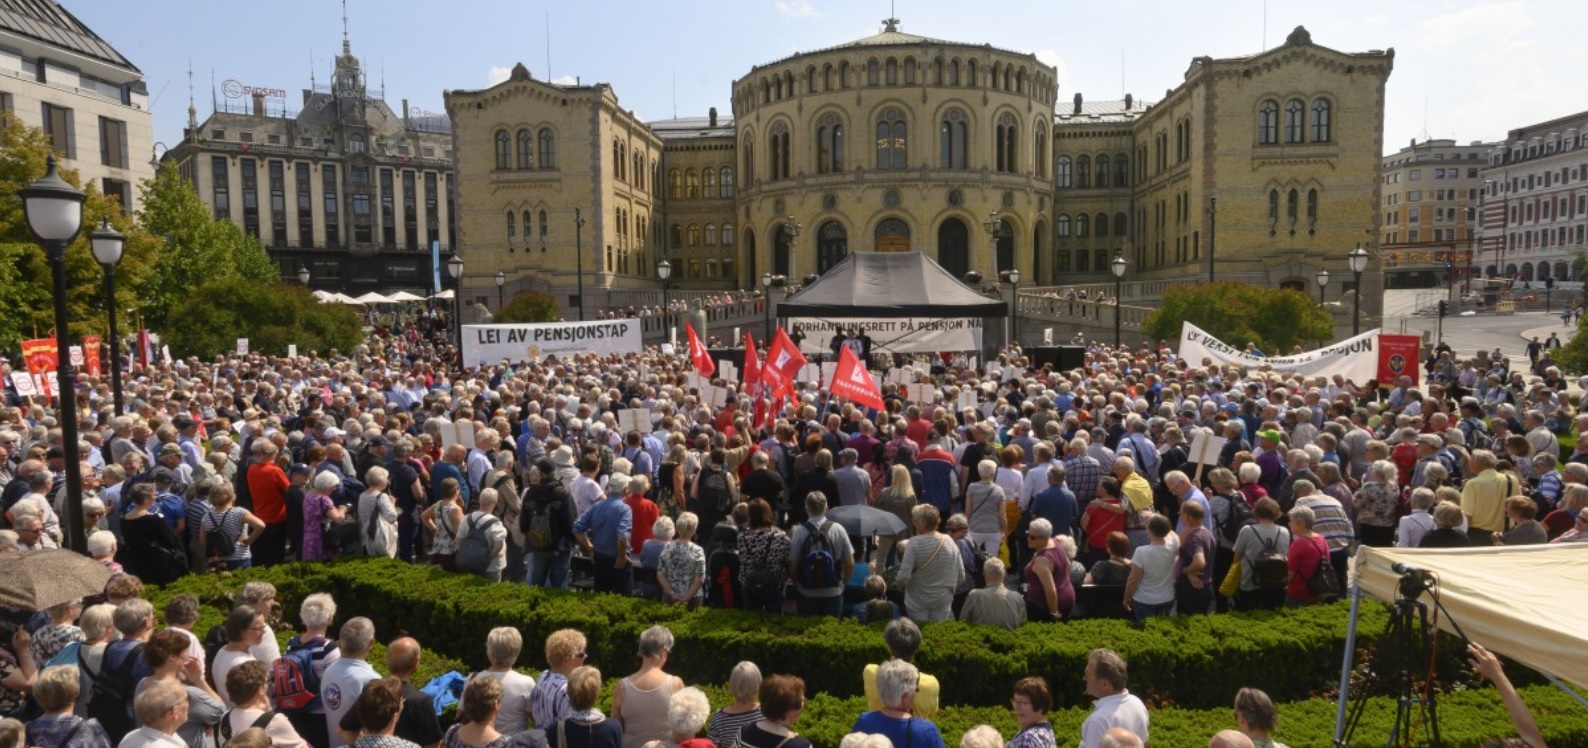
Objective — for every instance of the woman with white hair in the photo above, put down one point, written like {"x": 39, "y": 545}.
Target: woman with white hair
{"x": 57, "y": 689}
{"x": 1050, "y": 593}
{"x": 502, "y": 647}
{"x": 897, "y": 682}
{"x": 981, "y": 736}
{"x": 377, "y": 515}
{"x": 984, "y": 508}
{"x": 930, "y": 570}
{"x": 318, "y": 512}
{"x": 640, "y": 701}
{"x": 681, "y": 572}
{"x": 686, "y": 714}
{"x": 1375, "y": 505}
{"x": 744, "y": 685}
{"x": 317, "y": 612}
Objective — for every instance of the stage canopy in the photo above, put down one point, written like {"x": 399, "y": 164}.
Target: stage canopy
{"x": 889, "y": 285}
{"x": 1523, "y": 602}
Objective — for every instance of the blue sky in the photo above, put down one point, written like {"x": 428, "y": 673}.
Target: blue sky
{"x": 1463, "y": 70}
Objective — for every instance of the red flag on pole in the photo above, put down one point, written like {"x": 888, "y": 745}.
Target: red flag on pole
{"x": 751, "y": 375}
{"x": 783, "y": 362}
{"x": 698, "y": 353}
{"x": 851, "y": 380}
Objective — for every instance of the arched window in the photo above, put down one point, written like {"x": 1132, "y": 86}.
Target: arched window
{"x": 892, "y": 72}
{"x": 832, "y": 244}
{"x": 997, "y": 74}
{"x": 1081, "y": 224}
{"x": 1294, "y": 121}
{"x": 829, "y": 144}
{"x": 694, "y": 234}
{"x": 675, "y": 184}
{"x": 952, "y": 135}
{"x": 843, "y": 74}
{"x": 676, "y": 234}
{"x": 1102, "y": 224}
{"x": 543, "y": 227}
{"x": 1062, "y": 261}
{"x": 1268, "y": 122}
{"x": 939, "y": 69}
{"x": 970, "y": 74}
{"x": 892, "y": 140}
{"x": 1102, "y": 170}
{"x": 1039, "y": 150}
{"x": 709, "y": 176}
{"x": 1273, "y": 206}
{"x": 1062, "y": 224}
{"x": 527, "y": 232}
{"x": 711, "y": 234}
{"x": 727, "y": 235}
{"x": 1312, "y": 207}
{"x": 691, "y": 184}
{"x": 548, "y": 148}
{"x": 526, "y": 149}
{"x": 1004, "y": 157}
{"x": 828, "y": 81}
{"x": 1292, "y": 207}
{"x": 778, "y": 142}
{"x": 873, "y": 72}
{"x": 617, "y": 160}
{"x": 1064, "y": 171}
{"x": 1083, "y": 172}
{"x": 953, "y": 72}
{"x": 726, "y": 181}
{"x": 504, "y": 150}
{"x": 1083, "y": 262}
{"x": 1121, "y": 170}
{"x": 909, "y": 71}
{"x": 512, "y": 227}
{"x": 1320, "y": 121}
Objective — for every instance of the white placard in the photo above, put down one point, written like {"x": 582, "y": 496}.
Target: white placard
{"x": 720, "y": 397}
{"x": 24, "y": 384}
{"x": 907, "y": 335}
{"x": 1047, "y": 336}
{"x": 1206, "y": 448}
{"x": 242, "y": 346}
{"x": 634, "y": 419}
{"x": 967, "y": 399}
{"x": 668, "y": 350}
{"x": 828, "y": 368}
{"x": 488, "y": 344}
{"x": 811, "y": 372}
{"x": 292, "y": 350}
{"x": 165, "y": 355}
{"x": 728, "y": 372}
{"x": 52, "y": 384}
{"x": 76, "y": 353}
{"x": 461, "y": 432}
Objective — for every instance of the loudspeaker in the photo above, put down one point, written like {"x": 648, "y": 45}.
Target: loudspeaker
{"x": 1062, "y": 357}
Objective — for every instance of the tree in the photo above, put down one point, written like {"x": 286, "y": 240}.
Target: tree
{"x": 198, "y": 247}
{"x": 1240, "y": 313}
{"x": 212, "y": 317}
{"x": 27, "y": 308}
{"x": 529, "y": 306}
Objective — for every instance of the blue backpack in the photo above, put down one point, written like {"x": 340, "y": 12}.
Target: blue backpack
{"x": 818, "y": 567}
{"x": 294, "y": 685}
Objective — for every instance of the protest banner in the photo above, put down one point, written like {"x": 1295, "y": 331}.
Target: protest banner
{"x": 490, "y": 344}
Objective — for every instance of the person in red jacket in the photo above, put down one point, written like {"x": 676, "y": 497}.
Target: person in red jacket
{"x": 267, "y": 485}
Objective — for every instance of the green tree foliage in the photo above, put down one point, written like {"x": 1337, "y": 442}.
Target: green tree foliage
{"x": 27, "y": 303}
{"x": 1572, "y": 358}
{"x": 197, "y": 248}
{"x": 1240, "y": 313}
{"x": 528, "y": 307}
{"x": 211, "y": 319}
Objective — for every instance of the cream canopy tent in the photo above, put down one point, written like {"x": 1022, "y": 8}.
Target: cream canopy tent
{"x": 1538, "y": 624}
{"x": 401, "y": 296}
{"x": 373, "y": 298}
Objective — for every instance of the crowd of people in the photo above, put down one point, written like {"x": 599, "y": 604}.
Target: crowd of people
{"x": 1026, "y": 494}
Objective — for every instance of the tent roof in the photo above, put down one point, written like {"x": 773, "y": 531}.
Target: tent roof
{"x": 405, "y": 296}
{"x": 373, "y": 298}
{"x": 1537, "y": 623}
{"x": 889, "y": 285}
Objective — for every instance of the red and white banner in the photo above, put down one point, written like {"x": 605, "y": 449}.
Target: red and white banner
{"x": 783, "y": 362}
{"x": 698, "y": 353}
{"x": 751, "y": 374}
{"x": 40, "y": 357}
{"x": 852, "y": 381}
{"x": 1398, "y": 356}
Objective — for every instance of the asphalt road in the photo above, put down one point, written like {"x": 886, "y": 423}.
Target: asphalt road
{"x": 1467, "y": 335}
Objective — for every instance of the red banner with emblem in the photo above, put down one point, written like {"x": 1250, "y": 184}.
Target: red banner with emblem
{"x": 91, "y": 355}
{"x": 1398, "y": 356}
{"x": 40, "y": 357}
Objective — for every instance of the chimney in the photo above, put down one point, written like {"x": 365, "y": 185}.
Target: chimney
{"x": 1128, "y": 101}
{"x": 713, "y": 116}
{"x": 259, "y": 104}
{"x": 405, "y": 110}
{"x": 1077, "y": 103}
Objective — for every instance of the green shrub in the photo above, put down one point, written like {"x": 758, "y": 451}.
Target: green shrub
{"x": 1239, "y": 313}
{"x": 527, "y": 307}
{"x": 211, "y": 319}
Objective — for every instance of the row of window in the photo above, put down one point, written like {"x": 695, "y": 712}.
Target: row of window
{"x": 1548, "y": 209}
{"x": 633, "y": 171}
{"x": 1296, "y": 122}
{"x": 687, "y": 184}
{"x": 692, "y": 236}
{"x": 518, "y": 150}
{"x": 1438, "y": 173}
{"x": 942, "y": 71}
{"x": 1551, "y": 178}
{"x": 1534, "y": 150}
{"x": 892, "y": 145}
{"x": 1085, "y": 226}
{"x": 1559, "y": 237}
{"x": 418, "y": 231}
{"x": 1111, "y": 171}
{"x": 1292, "y": 206}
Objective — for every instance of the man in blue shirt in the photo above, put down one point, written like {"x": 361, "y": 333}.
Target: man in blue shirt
{"x": 1056, "y": 503}
{"x": 604, "y": 532}
{"x": 450, "y": 466}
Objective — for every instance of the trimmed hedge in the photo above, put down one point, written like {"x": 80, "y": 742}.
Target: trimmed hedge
{"x": 1190, "y": 661}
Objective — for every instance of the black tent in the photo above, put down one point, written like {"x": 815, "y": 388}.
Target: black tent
{"x": 889, "y": 285}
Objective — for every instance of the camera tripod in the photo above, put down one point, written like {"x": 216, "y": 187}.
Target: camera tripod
{"x": 1407, "y": 658}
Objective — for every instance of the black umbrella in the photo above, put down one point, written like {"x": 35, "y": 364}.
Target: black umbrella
{"x": 37, "y": 580}
{"x": 864, "y": 521}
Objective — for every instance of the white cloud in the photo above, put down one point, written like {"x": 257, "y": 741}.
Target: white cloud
{"x": 497, "y": 74}
{"x": 565, "y": 80}
{"x": 796, "y": 9}
{"x": 1062, "y": 68}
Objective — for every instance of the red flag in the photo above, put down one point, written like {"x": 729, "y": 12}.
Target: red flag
{"x": 698, "y": 353}
{"x": 752, "y": 368}
{"x": 783, "y": 361}
{"x": 851, "y": 380}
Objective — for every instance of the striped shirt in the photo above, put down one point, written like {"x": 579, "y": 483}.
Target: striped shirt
{"x": 1330, "y": 520}
{"x": 725, "y": 727}
{"x": 548, "y": 703}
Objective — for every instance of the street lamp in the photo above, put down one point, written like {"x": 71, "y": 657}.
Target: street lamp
{"x": 1358, "y": 261}
{"x": 578, "y": 250}
{"x": 766, "y": 300}
{"x": 1118, "y": 266}
{"x": 501, "y": 280}
{"x": 1014, "y": 323}
{"x": 54, "y": 210}
{"x": 1323, "y": 280}
{"x": 303, "y": 274}
{"x": 664, "y": 270}
{"x": 107, "y": 243}
{"x": 455, "y": 269}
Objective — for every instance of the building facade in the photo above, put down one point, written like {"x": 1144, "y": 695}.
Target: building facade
{"x": 91, "y": 101}
{"x": 1535, "y": 201}
{"x": 1261, "y": 168}
{"x": 1430, "y": 196}
{"x": 345, "y": 187}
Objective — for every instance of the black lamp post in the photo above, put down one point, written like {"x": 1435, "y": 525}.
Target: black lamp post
{"x": 455, "y": 269}
{"x": 1358, "y": 262}
{"x": 1118, "y": 266}
{"x": 107, "y": 243}
{"x": 54, "y": 210}
{"x": 1014, "y": 324}
{"x": 1323, "y": 280}
{"x": 578, "y": 251}
{"x": 664, "y": 270}
{"x": 501, "y": 280}
{"x": 766, "y": 299}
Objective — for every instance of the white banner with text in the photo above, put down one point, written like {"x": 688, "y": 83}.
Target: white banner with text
{"x": 906, "y": 335}
{"x": 491, "y": 344}
{"x": 1354, "y": 358}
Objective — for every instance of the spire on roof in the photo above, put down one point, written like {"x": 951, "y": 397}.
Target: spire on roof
{"x": 347, "y": 46}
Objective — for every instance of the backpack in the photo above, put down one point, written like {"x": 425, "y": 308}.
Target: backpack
{"x": 535, "y": 523}
{"x": 713, "y": 490}
{"x": 1271, "y": 569}
{"x": 218, "y": 543}
{"x": 111, "y": 693}
{"x": 294, "y": 686}
{"x": 214, "y": 642}
{"x": 474, "y": 553}
{"x": 1324, "y": 584}
{"x": 1239, "y": 515}
{"x": 818, "y": 567}
{"x": 226, "y": 724}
